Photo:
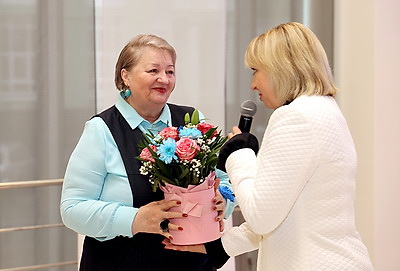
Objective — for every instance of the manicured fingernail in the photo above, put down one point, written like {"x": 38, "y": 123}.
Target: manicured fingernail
{"x": 218, "y": 219}
{"x": 184, "y": 215}
{"x": 178, "y": 202}
{"x": 170, "y": 237}
{"x": 180, "y": 228}
{"x": 214, "y": 208}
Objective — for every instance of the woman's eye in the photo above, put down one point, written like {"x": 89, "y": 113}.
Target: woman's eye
{"x": 171, "y": 72}
{"x": 153, "y": 71}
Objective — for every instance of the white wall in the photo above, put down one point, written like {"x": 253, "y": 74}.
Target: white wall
{"x": 366, "y": 60}
{"x": 387, "y": 134}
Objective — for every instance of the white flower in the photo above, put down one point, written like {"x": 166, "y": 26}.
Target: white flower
{"x": 143, "y": 170}
{"x": 195, "y": 163}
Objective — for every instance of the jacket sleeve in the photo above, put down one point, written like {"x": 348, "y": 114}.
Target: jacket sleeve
{"x": 267, "y": 185}
{"x": 236, "y": 241}
{"x": 240, "y": 239}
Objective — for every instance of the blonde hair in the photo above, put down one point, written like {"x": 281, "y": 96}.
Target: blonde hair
{"x": 131, "y": 53}
{"x": 294, "y": 60}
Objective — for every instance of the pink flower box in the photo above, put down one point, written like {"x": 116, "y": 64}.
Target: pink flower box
{"x": 200, "y": 226}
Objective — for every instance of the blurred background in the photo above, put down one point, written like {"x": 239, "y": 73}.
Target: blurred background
{"x": 57, "y": 63}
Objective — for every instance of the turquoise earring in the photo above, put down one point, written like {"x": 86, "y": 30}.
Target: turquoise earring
{"x": 125, "y": 93}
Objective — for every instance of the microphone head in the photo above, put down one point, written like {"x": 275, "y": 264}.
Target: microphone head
{"x": 248, "y": 108}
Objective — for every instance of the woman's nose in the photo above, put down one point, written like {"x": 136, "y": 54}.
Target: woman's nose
{"x": 163, "y": 78}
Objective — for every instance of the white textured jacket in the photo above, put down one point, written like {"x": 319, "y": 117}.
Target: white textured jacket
{"x": 297, "y": 194}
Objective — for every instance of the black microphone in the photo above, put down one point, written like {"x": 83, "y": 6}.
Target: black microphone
{"x": 247, "y": 110}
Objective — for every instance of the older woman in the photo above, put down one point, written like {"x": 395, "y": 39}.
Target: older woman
{"x": 104, "y": 196}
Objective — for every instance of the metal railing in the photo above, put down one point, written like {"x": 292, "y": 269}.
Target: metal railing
{"x": 31, "y": 184}
{"x": 36, "y": 267}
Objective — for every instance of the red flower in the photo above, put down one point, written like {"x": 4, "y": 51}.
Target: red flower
{"x": 186, "y": 148}
{"x": 204, "y": 127}
{"x": 171, "y": 132}
{"x": 146, "y": 154}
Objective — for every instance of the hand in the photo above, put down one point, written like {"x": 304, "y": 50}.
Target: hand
{"x": 200, "y": 248}
{"x": 219, "y": 206}
{"x": 235, "y": 131}
{"x": 149, "y": 217}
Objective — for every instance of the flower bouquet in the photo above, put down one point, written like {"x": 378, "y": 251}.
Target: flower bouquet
{"x": 181, "y": 162}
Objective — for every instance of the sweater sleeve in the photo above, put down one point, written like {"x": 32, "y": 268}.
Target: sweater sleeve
{"x": 267, "y": 185}
{"x": 225, "y": 187}
{"x": 81, "y": 206}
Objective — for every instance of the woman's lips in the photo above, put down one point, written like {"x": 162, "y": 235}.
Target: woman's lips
{"x": 161, "y": 90}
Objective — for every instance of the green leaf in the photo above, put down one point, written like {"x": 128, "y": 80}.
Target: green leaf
{"x": 187, "y": 118}
{"x": 195, "y": 117}
{"x": 184, "y": 173}
{"x": 210, "y": 132}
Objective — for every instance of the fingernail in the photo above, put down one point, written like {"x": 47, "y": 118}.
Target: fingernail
{"x": 218, "y": 219}
{"x": 184, "y": 215}
{"x": 180, "y": 228}
{"x": 214, "y": 208}
{"x": 178, "y": 202}
{"x": 170, "y": 237}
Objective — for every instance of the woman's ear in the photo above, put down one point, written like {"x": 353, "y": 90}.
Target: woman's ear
{"x": 124, "y": 75}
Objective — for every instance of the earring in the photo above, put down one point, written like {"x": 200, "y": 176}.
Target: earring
{"x": 125, "y": 93}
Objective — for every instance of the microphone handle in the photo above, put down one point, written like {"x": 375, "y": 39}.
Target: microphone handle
{"x": 245, "y": 124}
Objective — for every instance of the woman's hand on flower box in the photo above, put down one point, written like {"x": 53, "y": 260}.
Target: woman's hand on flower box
{"x": 149, "y": 217}
{"x": 219, "y": 205}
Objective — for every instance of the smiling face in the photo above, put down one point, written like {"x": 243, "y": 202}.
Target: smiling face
{"x": 261, "y": 83}
{"x": 151, "y": 81}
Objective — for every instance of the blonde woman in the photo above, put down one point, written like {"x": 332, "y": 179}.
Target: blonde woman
{"x": 297, "y": 192}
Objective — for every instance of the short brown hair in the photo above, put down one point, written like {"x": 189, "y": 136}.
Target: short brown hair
{"x": 131, "y": 53}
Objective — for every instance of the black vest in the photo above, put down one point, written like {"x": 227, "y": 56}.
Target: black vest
{"x": 143, "y": 251}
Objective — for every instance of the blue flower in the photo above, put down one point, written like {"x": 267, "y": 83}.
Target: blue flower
{"x": 227, "y": 193}
{"x": 166, "y": 151}
{"x": 190, "y": 133}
